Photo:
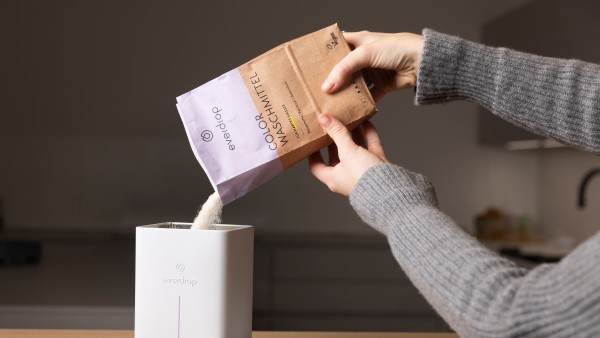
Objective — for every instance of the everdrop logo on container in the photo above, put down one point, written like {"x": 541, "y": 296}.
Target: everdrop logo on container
{"x": 182, "y": 280}
{"x": 253, "y": 122}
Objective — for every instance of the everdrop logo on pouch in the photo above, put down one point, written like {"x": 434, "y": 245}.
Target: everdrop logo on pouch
{"x": 206, "y": 136}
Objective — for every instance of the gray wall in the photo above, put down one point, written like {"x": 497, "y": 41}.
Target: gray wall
{"x": 90, "y": 137}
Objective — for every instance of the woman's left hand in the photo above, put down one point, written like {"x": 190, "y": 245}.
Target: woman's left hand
{"x": 348, "y": 161}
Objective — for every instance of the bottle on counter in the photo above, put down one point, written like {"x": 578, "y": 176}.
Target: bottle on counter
{"x": 524, "y": 225}
{"x": 493, "y": 224}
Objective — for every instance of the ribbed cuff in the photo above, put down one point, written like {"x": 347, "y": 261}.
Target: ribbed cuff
{"x": 386, "y": 194}
{"x": 453, "y": 69}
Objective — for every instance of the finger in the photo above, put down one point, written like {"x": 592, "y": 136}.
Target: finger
{"x": 380, "y": 81}
{"x": 372, "y": 80}
{"x": 373, "y": 141}
{"x": 358, "y": 136}
{"x": 337, "y": 131}
{"x": 315, "y": 158}
{"x": 356, "y": 38}
{"x": 318, "y": 167}
{"x": 377, "y": 93}
{"x": 342, "y": 73}
{"x": 352, "y": 38}
{"x": 334, "y": 159}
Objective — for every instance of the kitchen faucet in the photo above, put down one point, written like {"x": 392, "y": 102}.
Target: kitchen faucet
{"x": 583, "y": 185}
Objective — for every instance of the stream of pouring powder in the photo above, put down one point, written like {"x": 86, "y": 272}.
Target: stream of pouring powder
{"x": 210, "y": 213}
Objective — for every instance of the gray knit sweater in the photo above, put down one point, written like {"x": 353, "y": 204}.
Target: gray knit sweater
{"x": 479, "y": 293}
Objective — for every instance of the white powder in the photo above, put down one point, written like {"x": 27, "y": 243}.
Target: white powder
{"x": 210, "y": 213}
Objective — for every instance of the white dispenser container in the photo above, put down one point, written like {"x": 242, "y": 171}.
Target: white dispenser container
{"x": 193, "y": 283}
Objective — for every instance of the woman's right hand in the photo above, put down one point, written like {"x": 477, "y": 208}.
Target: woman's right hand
{"x": 390, "y": 62}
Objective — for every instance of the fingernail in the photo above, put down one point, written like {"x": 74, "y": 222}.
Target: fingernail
{"x": 327, "y": 85}
{"x": 325, "y": 120}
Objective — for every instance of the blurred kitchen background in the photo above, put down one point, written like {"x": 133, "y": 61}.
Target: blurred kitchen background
{"x": 91, "y": 146}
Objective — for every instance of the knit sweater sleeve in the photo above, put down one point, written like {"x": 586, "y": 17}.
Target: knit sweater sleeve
{"x": 556, "y": 98}
{"x": 478, "y": 293}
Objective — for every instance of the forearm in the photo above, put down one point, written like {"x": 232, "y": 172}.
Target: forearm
{"x": 556, "y": 98}
{"x": 479, "y": 293}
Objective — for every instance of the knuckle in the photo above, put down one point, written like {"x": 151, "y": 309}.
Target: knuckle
{"x": 336, "y": 132}
{"x": 370, "y": 54}
{"x": 375, "y": 144}
{"x": 365, "y": 54}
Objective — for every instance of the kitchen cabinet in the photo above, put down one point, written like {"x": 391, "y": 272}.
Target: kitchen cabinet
{"x": 554, "y": 28}
{"x": 335, "y": 282}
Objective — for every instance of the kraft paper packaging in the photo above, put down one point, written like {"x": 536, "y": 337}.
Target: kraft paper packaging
{"x": 255, "y": 121}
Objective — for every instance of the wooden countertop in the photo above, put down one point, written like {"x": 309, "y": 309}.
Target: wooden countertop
{"x": 129, "y": 334}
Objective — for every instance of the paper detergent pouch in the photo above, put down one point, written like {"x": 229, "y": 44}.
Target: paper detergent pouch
{"x": 252, "y": 123}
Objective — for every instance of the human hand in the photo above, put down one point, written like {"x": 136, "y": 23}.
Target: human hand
{"x": 348, "y": 161}
{"x": 390, "y": 62}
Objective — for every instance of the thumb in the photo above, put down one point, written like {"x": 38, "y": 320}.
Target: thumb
{"x": 342, "y": 73}
{"x": 337, "y": 131}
